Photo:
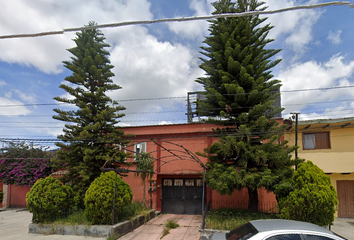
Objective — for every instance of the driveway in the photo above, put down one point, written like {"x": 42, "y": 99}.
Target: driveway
{"x": 14, "y": 226}
{"x": 152, "y": 230}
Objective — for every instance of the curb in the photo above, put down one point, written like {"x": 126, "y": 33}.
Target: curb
{"x": 117, "y": 230}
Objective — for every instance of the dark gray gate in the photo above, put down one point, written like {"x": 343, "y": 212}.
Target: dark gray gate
{"x": 182, "y": 195}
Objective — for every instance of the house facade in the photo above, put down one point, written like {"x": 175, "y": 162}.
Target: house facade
{"x": 177, "y": 184}
{"x": 329, "y": 144}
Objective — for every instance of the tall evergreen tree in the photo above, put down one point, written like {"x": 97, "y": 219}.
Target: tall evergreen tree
{"x": 91, "y": 132}
{"x": 240, "y": 93}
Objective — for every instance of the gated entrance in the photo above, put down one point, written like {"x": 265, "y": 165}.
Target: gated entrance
{"x": 345, "y": 191}
{"x": 182, "y": 195}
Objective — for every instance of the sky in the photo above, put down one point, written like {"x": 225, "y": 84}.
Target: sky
{"x": 157, "y": 64}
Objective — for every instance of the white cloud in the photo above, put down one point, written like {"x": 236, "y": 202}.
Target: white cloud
{"x": 27, "y": 98}
{"x": 334, "y": 37}
{"x": 193, "y": 29}
{"x": 19, "y": 109}
{"x": 47, "y": 53}
{"x": 295, "y": 26}
{"x": 2, "y": 83}
{"x": 335, "y": 72}
{"x": 148, "y": 68}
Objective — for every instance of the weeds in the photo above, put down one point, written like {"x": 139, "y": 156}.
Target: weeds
{"x": 227, "y": 219}
{"x": 171, "y": 224}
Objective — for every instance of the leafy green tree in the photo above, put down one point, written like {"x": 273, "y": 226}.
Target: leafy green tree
{"x": 312, "y": 197}
{"x": 145, "y": 164}
{"x": 239, "y": 97}
{"x": 91, "y": 131}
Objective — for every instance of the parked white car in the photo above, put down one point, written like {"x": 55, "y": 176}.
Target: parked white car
{"x": 276, "y": 229}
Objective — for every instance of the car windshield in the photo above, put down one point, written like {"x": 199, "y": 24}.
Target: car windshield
{"x": 242, "y": 232}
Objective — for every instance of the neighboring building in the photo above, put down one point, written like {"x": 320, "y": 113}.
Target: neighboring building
{"x": 329, "y": 144}
{"x": 177, "y": 185}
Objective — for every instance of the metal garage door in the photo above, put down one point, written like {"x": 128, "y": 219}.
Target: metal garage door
{"x": 182, "y": 196}
{"x": 345, "y": 191}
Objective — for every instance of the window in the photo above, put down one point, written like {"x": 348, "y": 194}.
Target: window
{"x": 314, "y": 237}
{"x": 319, "y": 140}
{"x": 139, "y": 148}
{"x": 242, "y": 232}
{"x": 285, "y": 237}
{"x": 123, "y": 148}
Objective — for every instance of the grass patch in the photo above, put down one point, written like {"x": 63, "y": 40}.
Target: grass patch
{"x": 76, "y": 218}
{"x": 128, "y": 212}
{"x": 132, "y": 210}
{"x": 171, "y": 224}
{"x": 228, "y": 219}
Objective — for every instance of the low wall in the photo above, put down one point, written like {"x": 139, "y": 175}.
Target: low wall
{"x": 117, "y": 230}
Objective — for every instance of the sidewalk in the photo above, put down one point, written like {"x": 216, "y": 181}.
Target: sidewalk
{"x": 344, "y": 227}
{"x": 14, "y": 226}
{"x": 152, "y": 230}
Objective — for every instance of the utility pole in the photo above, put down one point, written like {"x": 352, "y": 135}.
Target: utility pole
{"x": 296, "y": 116}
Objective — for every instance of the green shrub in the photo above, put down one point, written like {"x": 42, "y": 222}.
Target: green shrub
{"x": 1, "y": 196}
{"x": 312, "y": 198}
{"x": 49, "y": 198}
{"x": 99, "y": 198}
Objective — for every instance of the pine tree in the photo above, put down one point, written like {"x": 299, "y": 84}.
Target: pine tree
{"x": 91, "y": 134}
{"x": 240, "y": 93}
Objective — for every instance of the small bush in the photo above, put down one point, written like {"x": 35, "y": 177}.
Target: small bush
{"x": 48, "y": 198}
{"x": 312, "y": 198}
{"x": 99, "y": 198}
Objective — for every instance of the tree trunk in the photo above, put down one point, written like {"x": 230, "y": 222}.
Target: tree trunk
{"x": 252, "y": 200}
{"x": 144, "y": 193}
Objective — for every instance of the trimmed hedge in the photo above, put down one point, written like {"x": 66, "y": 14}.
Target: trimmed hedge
{"x": 99, "y": 198}
{"x": 49, "y": 198}
{"x": 312, "y": 198}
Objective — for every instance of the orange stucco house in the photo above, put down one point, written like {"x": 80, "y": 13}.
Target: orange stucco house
{"x": 177, "y": 184}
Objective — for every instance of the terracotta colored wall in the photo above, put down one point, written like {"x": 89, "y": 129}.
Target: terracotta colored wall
{"x": 17, "y": 196}
{"x": 174, "y": 161}
{"x": 239, "y": 200}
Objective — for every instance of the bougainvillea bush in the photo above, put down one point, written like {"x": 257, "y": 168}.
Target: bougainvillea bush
{"x": 24, "y": 171}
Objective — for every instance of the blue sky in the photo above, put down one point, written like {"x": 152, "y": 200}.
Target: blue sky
{"x": 161, "y": 60}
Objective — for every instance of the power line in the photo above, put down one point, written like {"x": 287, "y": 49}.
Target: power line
{"x": 183, "y": 19}
{"x": 172, "y": 98}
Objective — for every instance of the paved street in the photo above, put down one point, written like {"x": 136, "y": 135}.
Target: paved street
{"x": 14, "y": 226}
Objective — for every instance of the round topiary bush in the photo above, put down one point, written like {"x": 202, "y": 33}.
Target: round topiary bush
{"x": 99, "y": 198}
{"x": 49, "y": 198}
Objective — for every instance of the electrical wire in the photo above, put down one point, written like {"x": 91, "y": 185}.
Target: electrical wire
{"x": 183, "y": 19}
{"x": 173, "y": 98}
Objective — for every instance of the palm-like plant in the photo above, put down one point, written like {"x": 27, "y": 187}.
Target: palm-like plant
{"x": 145, "y": 166}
